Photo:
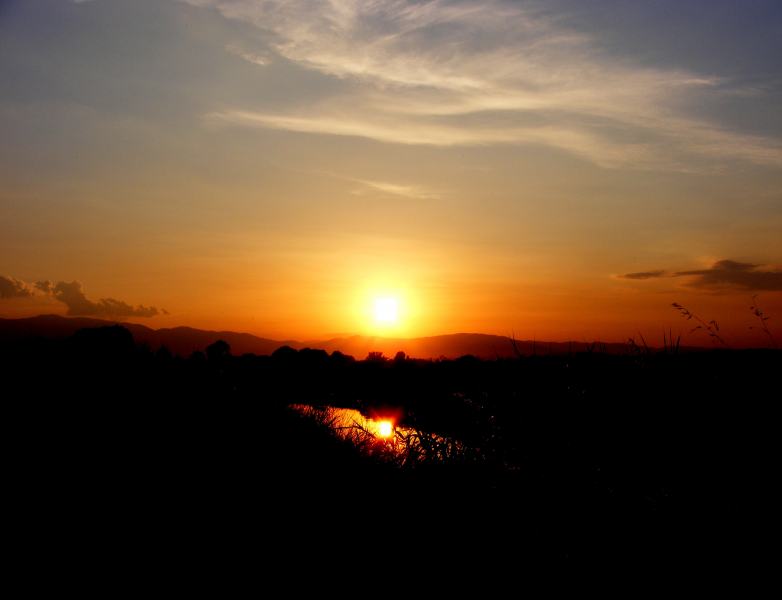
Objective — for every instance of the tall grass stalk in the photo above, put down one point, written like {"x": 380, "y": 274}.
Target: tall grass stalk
{"x": 673, "y": 349}
{"x": 407, "y": 446}
{"x": 711, "y": 327}
{"x": 512, "y": 338}
{"x": 763, "y": 327}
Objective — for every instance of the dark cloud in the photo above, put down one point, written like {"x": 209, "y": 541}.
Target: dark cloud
{"x": 72, "y": 295}
{"x": 729, "y": 273}
{"x": 644, "y": 275}
{"x": 79, "y": 305}
{"x": 13, "y": 288}
{"x": 43, "y": 286}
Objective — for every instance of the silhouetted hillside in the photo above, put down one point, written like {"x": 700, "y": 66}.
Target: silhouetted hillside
{"x": 179, "y": 340}
{"x": 452, "y": 346}
{"x": 185, "y": 340}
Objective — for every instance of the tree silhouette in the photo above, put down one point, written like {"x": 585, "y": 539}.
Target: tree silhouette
{"x": 376, "y": 357}
{"x": 218, "y": 351}
{"x": 197, "y": 357}
{"x": 163, "y": 353}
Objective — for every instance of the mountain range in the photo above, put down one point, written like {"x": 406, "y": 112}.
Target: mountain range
{"x": 185, "y": 340}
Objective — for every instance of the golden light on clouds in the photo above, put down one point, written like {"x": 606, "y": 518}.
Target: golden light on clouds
{"x": 490, "y": 84}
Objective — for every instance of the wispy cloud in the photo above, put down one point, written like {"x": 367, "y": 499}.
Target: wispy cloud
{"x": 250, "y": 56}
{"x": 643, "y": 275}
{"x": 408, "y": 191}
{"x": 471, "y": 73}
{"x": 736, "y": 275}
{"x": 722, "y": 275}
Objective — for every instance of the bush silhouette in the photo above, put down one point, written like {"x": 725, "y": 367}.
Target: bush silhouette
{"x": 218, "y": 351}
{"x": 376, "y": 358}
{"x": 163, "y": 353}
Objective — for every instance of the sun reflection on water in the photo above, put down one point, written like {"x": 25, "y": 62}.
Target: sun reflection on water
{"x": 384, "y": 437}
{"x": 344, "y": 419}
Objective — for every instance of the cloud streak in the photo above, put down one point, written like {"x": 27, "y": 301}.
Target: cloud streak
{"x": 723, "y": 274}
{"x": 736, "y": 275}
{"x": 643, "y": 275}
{"x": 472, "y": 73}
{"x": 406, "y": 191}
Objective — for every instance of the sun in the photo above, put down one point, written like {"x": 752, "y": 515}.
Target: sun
{"x": 385, "y": 428}
{"x": 385, "y": 310}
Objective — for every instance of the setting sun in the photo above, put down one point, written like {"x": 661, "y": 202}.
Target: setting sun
{"x": 385, "y": 310}
{"x": 385, "y": 428}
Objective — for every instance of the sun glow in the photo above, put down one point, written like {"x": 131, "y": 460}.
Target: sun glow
{"x": 385, "y": 310}
{"x": 385, "y": 428}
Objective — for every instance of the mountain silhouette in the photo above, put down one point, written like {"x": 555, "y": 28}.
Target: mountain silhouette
{"x": 179, "y": 340}
{"x": 185, "y": 340}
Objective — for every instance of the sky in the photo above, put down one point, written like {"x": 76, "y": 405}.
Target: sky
{"x": 560, "y": 169}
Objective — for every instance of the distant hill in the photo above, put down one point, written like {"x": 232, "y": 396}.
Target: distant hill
{"x": 185, "y": 340}
{"x": 180, "y": 340}
{"x": 458, "y": 344}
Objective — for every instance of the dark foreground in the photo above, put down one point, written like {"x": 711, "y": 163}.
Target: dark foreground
{"x": 669, "y": 458}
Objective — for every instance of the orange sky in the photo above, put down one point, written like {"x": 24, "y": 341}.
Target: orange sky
{"x": 274, "y": 168}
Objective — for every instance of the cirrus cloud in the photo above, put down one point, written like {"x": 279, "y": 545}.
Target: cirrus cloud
{"x": 449, "y": 73}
